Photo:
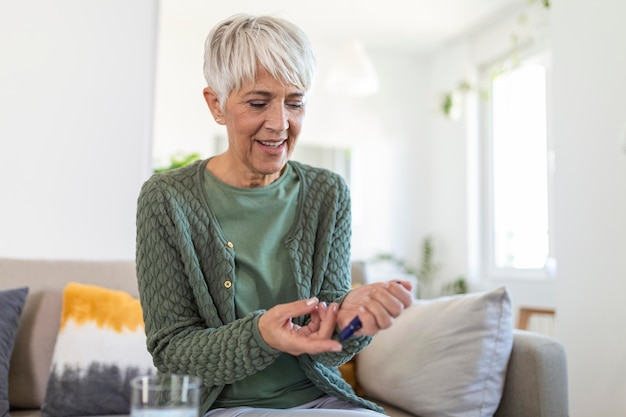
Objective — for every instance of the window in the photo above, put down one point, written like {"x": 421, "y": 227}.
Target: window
{"x": 516, "y": 177}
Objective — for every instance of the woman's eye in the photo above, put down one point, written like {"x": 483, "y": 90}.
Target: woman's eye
{"x": 260, "y": 104}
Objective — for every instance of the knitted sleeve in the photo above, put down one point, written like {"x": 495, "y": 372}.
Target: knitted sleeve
{"x": 337, "y": 282}
{"x": 184, "y": 322}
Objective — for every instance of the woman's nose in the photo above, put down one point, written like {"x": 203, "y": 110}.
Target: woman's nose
{"x": 277, "y": 118}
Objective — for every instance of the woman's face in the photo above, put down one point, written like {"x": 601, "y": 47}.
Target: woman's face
{"x": 263, "y": 121}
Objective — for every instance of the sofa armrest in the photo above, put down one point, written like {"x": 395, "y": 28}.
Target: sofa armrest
{"x": 536, "y": 379}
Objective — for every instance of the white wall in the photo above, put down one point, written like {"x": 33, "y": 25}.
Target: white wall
{"x": 589, "y": 42}
{"x": 182, "y": 121}
{"x": 75, "y": 125}
{"x": 453, "y": 197}
{"x": 447, "y": 196}
{"x": 386, "y": 133}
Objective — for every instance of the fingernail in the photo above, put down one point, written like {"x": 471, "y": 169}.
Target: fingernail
{"x": 311, "y": 301}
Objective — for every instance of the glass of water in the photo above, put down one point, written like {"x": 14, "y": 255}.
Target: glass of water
{"x": 165, "y": 396}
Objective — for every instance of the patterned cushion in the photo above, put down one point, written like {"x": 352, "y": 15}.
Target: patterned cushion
{"x": 11, "y": 304}
{"x": 100, "y": 347}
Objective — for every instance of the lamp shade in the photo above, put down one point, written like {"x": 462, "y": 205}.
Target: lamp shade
{"x": 353, "y": 73}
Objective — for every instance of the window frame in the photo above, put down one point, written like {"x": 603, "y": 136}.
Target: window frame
{"x": 486, "y": 237}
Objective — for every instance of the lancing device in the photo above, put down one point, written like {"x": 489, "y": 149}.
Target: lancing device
{"x": 352, "y": 327}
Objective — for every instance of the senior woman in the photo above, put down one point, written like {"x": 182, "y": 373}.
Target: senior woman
{"x": 243, "y": 260}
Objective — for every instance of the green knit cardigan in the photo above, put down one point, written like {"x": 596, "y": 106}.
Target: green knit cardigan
{"x": 186, "y": 276}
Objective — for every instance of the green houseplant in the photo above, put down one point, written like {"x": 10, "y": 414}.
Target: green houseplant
{"x": 179, "y": 160}
{"x": 427, "y": 271}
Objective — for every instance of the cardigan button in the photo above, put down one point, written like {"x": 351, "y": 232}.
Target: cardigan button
{"x": 230, "y": 245}
{"x": 228, "y": 284}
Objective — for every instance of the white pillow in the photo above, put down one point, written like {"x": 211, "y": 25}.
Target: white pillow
{"x": 442, "y": 357}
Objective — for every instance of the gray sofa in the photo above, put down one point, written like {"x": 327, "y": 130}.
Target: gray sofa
{"x": 536, "y": 378}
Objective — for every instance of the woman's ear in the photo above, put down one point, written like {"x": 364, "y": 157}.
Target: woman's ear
{"x": 213, "y": 101}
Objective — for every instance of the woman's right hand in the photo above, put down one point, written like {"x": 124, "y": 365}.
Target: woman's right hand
{"x": 281, "y": 333}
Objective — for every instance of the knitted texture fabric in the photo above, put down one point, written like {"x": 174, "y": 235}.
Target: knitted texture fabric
{"x": 186, "y": 277}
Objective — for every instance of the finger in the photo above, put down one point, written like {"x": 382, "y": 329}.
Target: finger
{"x": 301, "y": 340}
{"x": 301, "y": 307}
{"x": 283, "y": 312}
{"x": 329, "y": 321}
{"x": 278, "y": 319}
{"x": 391, "y": 303}
{"x": 379, "y": 311}
{"x": 323, "y": 321}
{"x": 322, "y": 310}
{"x": 403, "y": 283}
{"x": 317, "y": 316}
{"x": 387, "y": 303}
{"x": 374, "y": 317}
{"x": 314, "y": 346}
{"x": 402, "y": 290}
{"x": 345, "y": 315}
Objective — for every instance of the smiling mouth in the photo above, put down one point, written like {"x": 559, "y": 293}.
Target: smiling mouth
{"x": 272, "y": 144}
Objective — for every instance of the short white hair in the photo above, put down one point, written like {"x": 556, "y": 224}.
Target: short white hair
{"x": 236, "y": 46}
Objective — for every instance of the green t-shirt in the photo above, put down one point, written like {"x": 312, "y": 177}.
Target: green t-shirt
{"x": 256, "y": 221}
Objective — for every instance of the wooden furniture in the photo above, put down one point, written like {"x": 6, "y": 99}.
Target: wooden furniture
{"x": 526, "y": 312}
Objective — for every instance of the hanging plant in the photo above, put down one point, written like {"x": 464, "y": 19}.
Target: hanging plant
{"x": 452, "y": 101}
{"x": 178, "y": 161}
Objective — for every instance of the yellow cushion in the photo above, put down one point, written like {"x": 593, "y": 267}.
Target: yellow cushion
{"x": 100, "y": 347}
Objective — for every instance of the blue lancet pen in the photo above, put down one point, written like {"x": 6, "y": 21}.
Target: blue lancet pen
{"x": 352, "y": 327}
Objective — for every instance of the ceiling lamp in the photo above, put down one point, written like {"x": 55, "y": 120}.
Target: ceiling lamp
{"x": 353, "y": 73}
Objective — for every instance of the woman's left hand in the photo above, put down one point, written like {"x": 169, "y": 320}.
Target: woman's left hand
{"x": 277, "y": 328}
{"x": 377, "y": 305}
